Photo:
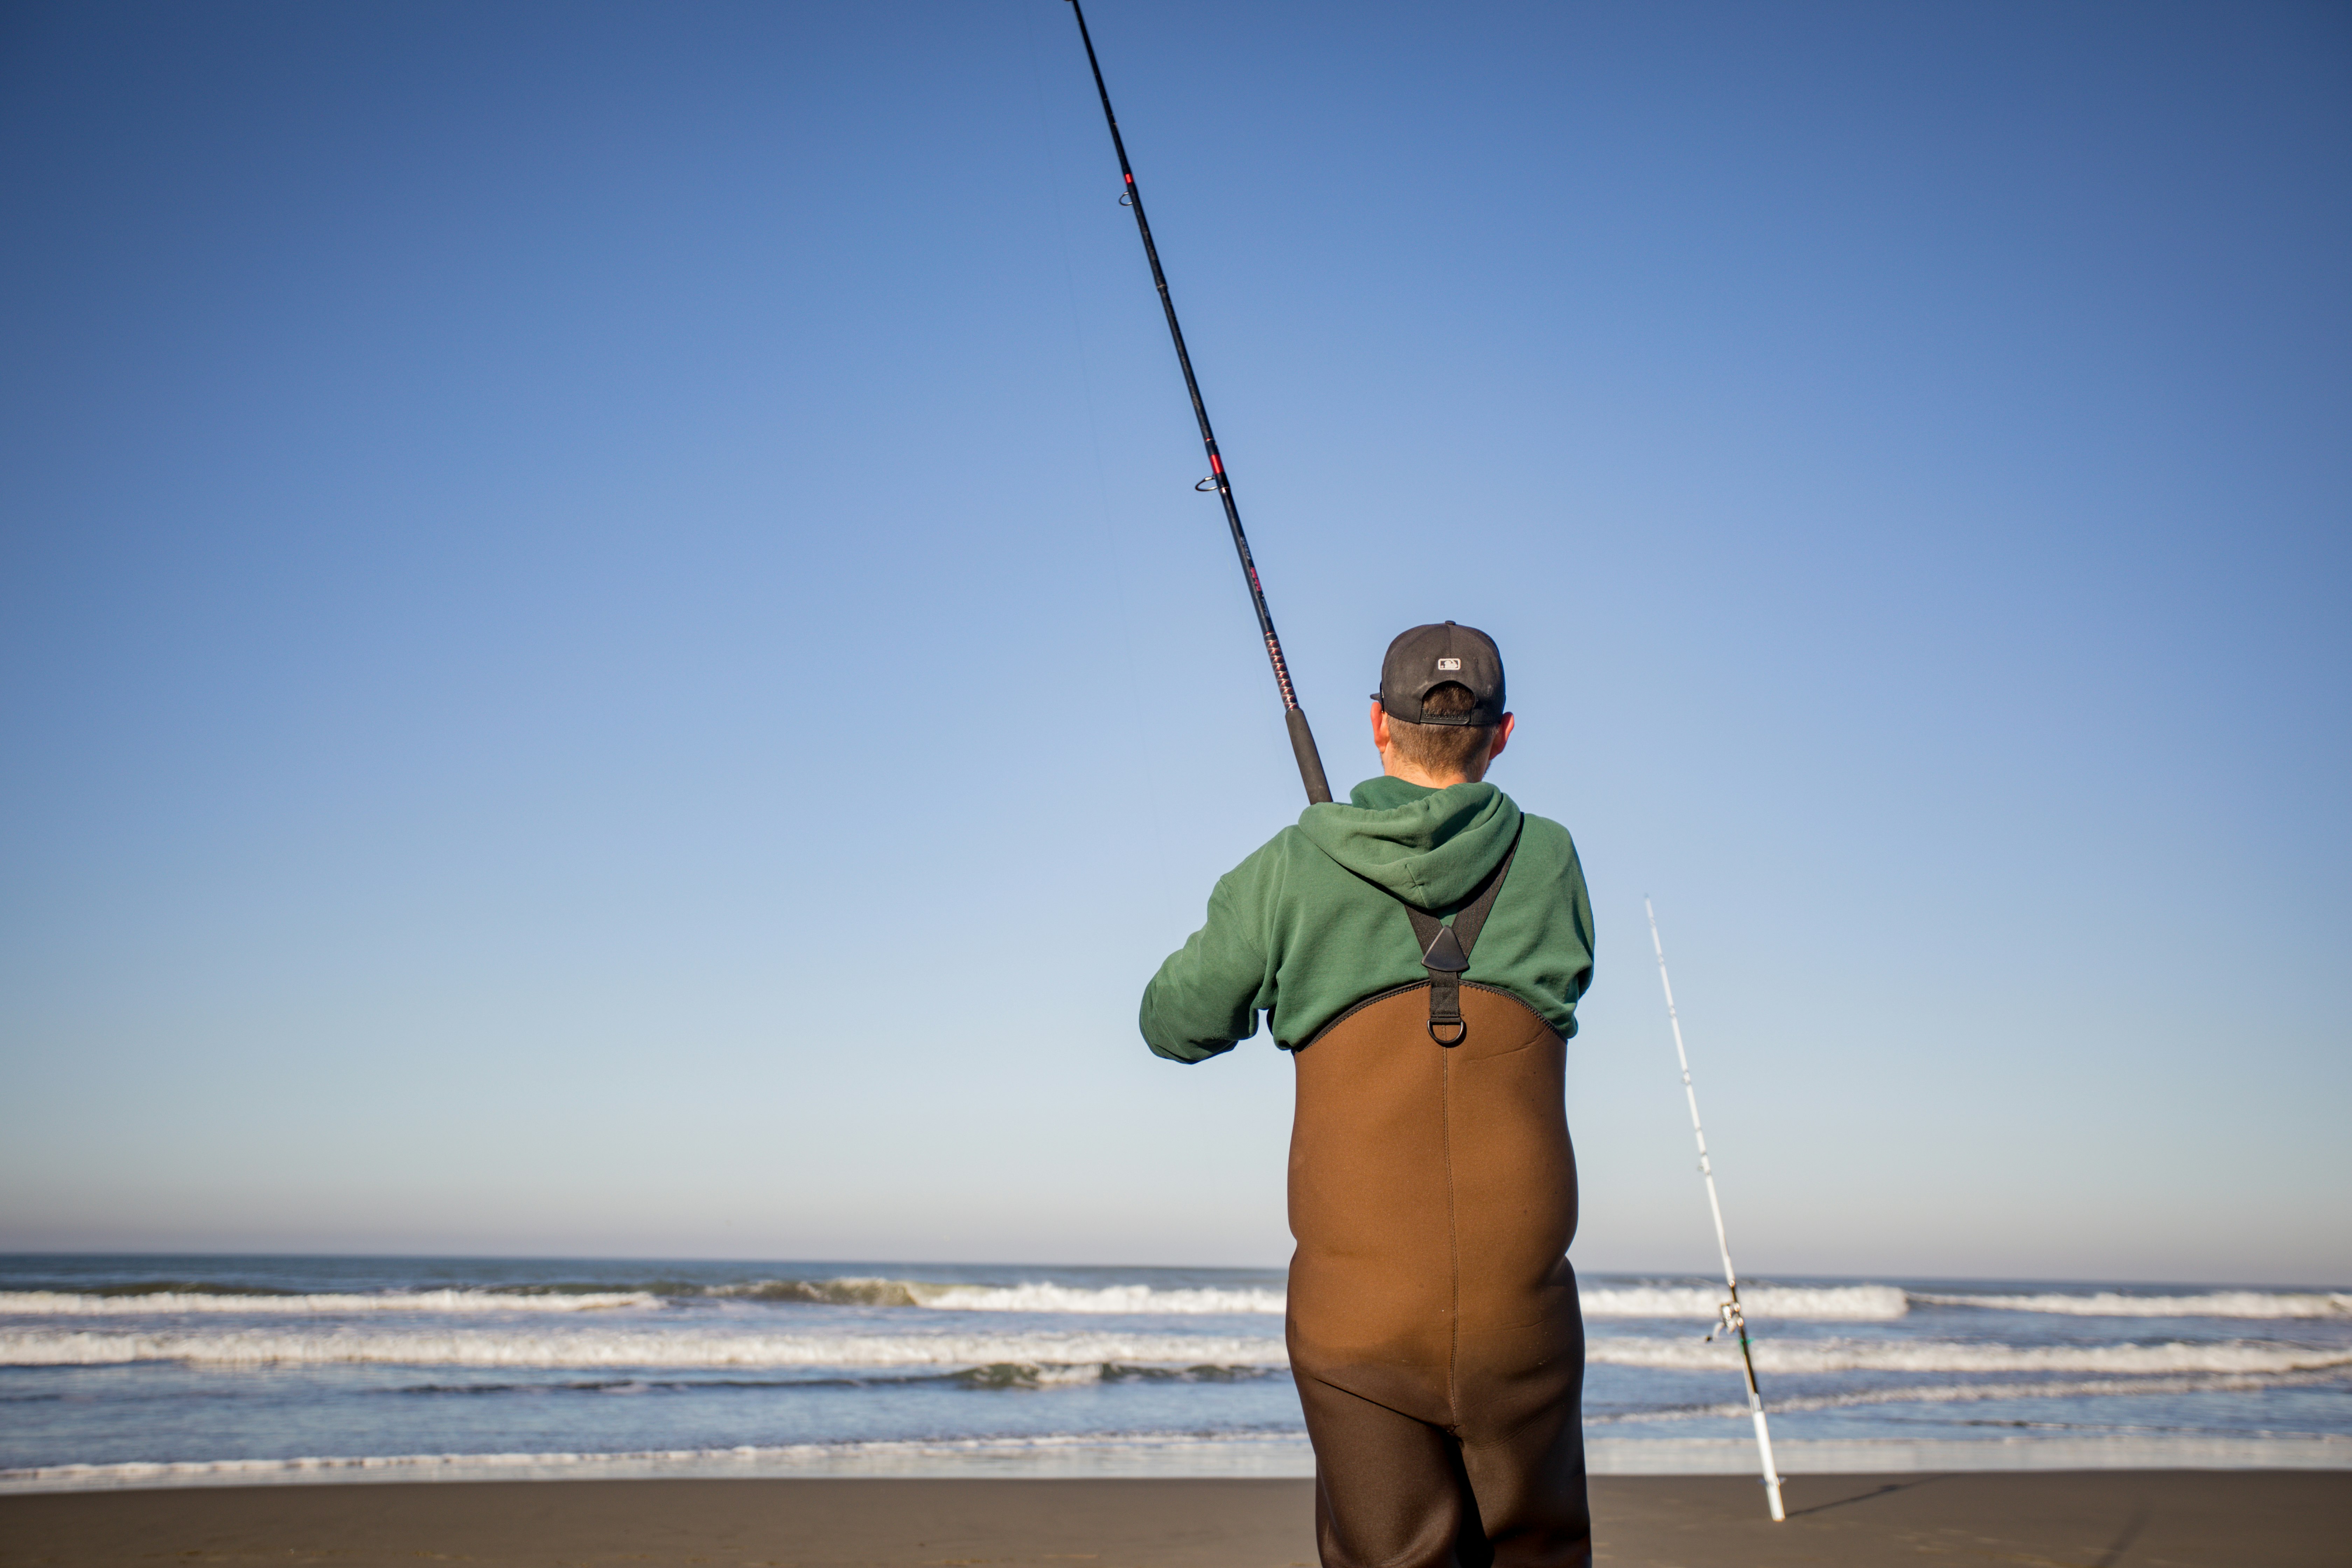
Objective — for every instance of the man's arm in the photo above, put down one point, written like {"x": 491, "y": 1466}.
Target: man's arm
{"x": 1206, "y": 997}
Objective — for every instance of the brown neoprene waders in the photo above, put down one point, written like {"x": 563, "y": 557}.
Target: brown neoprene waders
{"x": 1434, "y": 1326}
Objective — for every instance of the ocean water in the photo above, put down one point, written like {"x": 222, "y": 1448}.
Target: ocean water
{"x": 162, "y": 1371}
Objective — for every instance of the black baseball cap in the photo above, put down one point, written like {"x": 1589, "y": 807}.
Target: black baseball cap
{"x": 1428, "y": 657}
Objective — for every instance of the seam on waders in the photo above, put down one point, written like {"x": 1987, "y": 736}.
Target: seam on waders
{"x": 1453, "y": 1247}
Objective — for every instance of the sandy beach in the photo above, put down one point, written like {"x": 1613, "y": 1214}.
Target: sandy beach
{"x": 2121, "y": 1519}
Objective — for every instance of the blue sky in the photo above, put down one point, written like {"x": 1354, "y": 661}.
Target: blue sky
{"x": 605, "y": 646}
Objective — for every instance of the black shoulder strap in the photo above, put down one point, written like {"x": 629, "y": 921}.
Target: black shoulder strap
{"x": 1445, "y": 949}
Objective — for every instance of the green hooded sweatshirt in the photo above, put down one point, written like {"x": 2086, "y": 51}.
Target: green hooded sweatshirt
{"x": 1306, "y": 928}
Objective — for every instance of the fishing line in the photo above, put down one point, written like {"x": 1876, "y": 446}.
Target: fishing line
{"x": 1302, "y": 739}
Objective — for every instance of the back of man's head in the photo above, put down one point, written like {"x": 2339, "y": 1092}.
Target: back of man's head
{"x": 1449, "y": 745}
{"x": 1441, "y": 693}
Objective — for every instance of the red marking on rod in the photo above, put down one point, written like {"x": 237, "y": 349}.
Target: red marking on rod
{"x": 1216, "y": 463}
{"x": 1131, "y": 179}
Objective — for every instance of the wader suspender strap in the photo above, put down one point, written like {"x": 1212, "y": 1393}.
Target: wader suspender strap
{"x": 1445, "y": 951}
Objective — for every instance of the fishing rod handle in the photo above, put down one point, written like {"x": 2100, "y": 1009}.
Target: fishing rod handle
{"x": 1311, "y": 760}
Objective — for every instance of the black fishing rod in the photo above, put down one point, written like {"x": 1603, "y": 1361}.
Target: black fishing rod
{"x": 1302, "y": 739}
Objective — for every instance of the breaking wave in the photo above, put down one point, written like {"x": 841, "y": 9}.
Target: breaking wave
{"x": 62, "y": 1303}
{"x": 648, "y": 1348}
{"x": 1847, "y": 1303}
{"x": 2116, "y": 1304}
{"x": 843, "y": 1292}
{"x": 1028, "y": 1296}
{"x": 1850, "y": 1302}
{"x": 1821, "y": 1304}
{"x": 1859, "y": 1304}
{"x": 176, "y": 1296}
{"x": 1041, "y": 1297}
{"x": 2243, "y": 1356}
{"x": 718, "y": 1347}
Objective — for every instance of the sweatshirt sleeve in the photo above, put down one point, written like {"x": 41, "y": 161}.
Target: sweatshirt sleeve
{"x": 1206, "y": 997}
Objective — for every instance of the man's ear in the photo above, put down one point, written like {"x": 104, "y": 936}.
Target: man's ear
{"x": 1379, "y": 727}
{"x": 1502, "y": 736}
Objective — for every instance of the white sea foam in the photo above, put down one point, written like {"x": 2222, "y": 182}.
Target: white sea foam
{"x": 1852, "y": 1303}
{"x": 649, "y": 1347}
{"x": 2250, "y": 1356}
{"x": 1847, "y": 1303}
{"x": 1824, "y": 1303}
{"x": 67, "y": 1304}
{"x": 1043, "y": 1298}
{"x": 728, "y": 1346}
{"x": 2116, "y": 1304}
{"x": 1818, "y": 1303}
{"x": 1977, "y": 1393}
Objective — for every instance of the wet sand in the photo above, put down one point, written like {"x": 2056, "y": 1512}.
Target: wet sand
{"x": 2107, "y": 1518}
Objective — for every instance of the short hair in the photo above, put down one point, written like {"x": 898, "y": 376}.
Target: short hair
{"x": 1442, "y": 748}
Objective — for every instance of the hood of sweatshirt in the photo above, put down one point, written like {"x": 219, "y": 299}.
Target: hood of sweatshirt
{"x": 1428, "y": 847}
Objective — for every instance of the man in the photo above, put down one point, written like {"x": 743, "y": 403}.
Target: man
{"x": 1419, "y": 951}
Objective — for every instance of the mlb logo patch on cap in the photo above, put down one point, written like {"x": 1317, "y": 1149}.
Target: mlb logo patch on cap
{"x": 1428, "y": 657}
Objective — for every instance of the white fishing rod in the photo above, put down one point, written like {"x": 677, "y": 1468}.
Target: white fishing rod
{"x": 1734, "y": 1321}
